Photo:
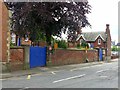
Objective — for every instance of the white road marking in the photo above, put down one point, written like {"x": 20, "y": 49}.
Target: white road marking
{"x": 108, "y": 63}
{"x": 2, "y": 79}
{"x": 99, "y": 71}
{"x": 36, "y": 74}
{"x": 69, "y": 78}
{"x": 53, "y": 73}
{"x": 79, "y": 68}
{"x": 102, "y": 70}
{"x": 74, "y": 69}
{"x": 85, "y": 67}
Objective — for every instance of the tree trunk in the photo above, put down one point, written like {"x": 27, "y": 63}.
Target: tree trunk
{"x": 48, "y": 38}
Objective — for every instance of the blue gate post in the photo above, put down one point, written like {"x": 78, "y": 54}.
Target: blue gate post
{"x": 100, "y": 54}
{"x": 18, "y": 41}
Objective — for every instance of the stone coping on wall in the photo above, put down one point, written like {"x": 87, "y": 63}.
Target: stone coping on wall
{"x": 75, "y": 49}
{"x": 17, "y": 47}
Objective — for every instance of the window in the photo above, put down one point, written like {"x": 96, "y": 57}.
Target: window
{"x": 13, "y": 38}
{"x": 99, "y": 41}
{"x": 26, "y": 38}
{"x": 81, "y": 40}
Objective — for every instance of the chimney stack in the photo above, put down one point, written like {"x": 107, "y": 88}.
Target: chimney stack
{"x": 108, "y": 30}
{"x": 107, "y": 26}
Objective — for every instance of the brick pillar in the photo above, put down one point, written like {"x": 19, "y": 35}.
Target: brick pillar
{"x": 5, "y": 33}
{"x": 0, "y": 30}
{"x": 26, "y": 57}
{"x": 108, "y": 42}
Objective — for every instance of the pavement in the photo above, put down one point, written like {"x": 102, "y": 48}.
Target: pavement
{"x": 48, "y": 69}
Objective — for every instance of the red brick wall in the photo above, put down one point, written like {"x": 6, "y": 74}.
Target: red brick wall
{"x": 62, "y": 57}
{"x": 71, "y": 45}
{"x": 109, "y": 44}
{"x": 0, "y": 30}
{"x": 4, "y": 29}
{"x": 109, "y": 47}
{"x": 102, "y": 45}
{"x": 108, "y": 50}
{"x": 16, "y": 58}
{"x": 16, "y": 54}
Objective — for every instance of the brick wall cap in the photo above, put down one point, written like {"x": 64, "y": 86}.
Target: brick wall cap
{"x": 16, "y": 47}
{"x": 75, "y": 49}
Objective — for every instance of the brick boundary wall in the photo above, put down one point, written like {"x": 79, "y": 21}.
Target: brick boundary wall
{"x": 16, "y": 54}
{"x": 16, "y": 58}
{"x": 72, "y": 56}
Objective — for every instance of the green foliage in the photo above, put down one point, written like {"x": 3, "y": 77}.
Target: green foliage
{"x": 114, "y": 48}
{"x": 11, "y": 44}
{"x": 38, "y": 36}
{"x": 78, "y": 45}
{"x": 84, "y": 44}
{"x": 61, "y": 43}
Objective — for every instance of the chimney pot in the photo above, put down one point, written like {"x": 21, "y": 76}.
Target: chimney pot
{"x": 107, "y": 25}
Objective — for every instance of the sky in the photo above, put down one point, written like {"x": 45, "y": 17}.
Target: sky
{"x": 103, "y": 12}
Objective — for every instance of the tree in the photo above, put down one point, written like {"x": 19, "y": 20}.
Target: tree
{"x": 84, "y": 44}
{"x": 50, "y": 18}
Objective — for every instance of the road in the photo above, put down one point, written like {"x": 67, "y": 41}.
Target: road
{"x": 97, "y": 76}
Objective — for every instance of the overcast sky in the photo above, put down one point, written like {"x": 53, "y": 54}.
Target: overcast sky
{"x": 104, "y": 12}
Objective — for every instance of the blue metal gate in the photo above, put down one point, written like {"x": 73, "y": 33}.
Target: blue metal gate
{"x": 100, "y": 54}
{"x": 37, "y": 56}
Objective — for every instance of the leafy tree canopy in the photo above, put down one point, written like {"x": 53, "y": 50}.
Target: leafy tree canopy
{"x": 50, "y": 18}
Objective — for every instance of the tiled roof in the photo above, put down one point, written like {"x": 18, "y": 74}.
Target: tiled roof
{"x": 92, "y": 36}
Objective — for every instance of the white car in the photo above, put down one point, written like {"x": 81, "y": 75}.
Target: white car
{"x": 114, "y": 53}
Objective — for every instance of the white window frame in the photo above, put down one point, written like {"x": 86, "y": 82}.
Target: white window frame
{"x": 81, "y": 41}
{"x": 26, "y": 38}
{"x": 99, "y": 41}
{"x": 13, "y": 38}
